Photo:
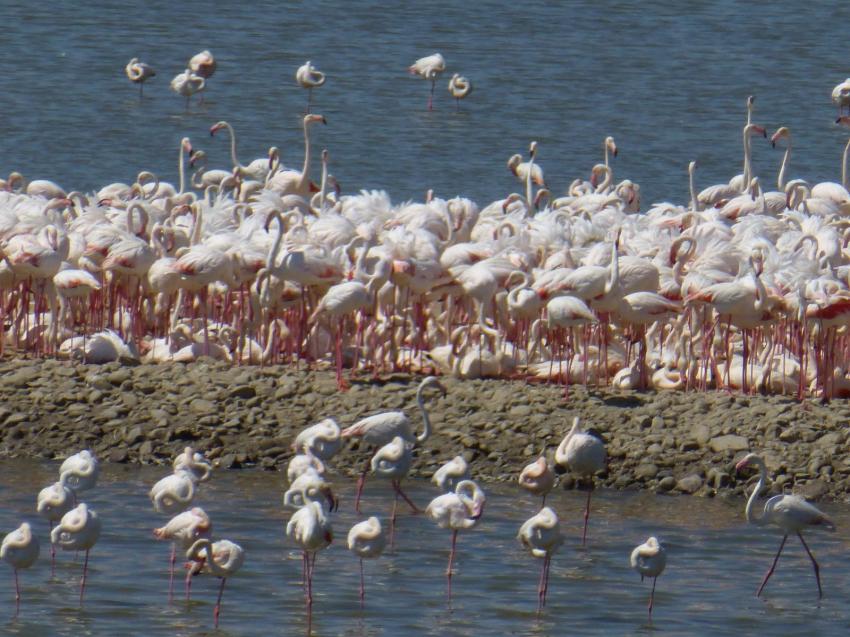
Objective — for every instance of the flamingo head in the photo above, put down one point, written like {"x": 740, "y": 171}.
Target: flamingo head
{"x": 781, "y": 133}
{"x": 844, "y": 120}
{"x": 216, "y": 127}
{"x": 186, "y": 145}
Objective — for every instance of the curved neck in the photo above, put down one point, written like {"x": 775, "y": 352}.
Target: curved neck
{"x": 271, "y": 259}
{"x": 232, "y": 134}
{"x": 614, "y": 279}
{"x": 747, "y": 169}
{"x": 786, "y": 159}
{"x": 426, "y": 431}
{"x": 694, "y": 204}
{"x": 324, "y": 185}
{"x": 181, "y": 171}
{"x": 606, "y": 181}
{"x": 304, "y": 182}
{"x": 529, "y": 188}
{"x": 844, "y": 164}
{"x": 760, "y": 485}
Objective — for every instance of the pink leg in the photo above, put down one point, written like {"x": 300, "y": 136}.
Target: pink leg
{"x": 188, "y": 585}
{"x": 398, "y": 490}
{"x": 362, "y": 585}
{"x": 451, "y": 562}
{"x": 392, "y": 520}
{"x": 361, "y": 481}
{"x": 431, "y": 97}
{"x": 814, "y": 564}
{"x": 541, "y": 587}
{"x": 52, "y": 550}
{"x": 17, "y": 592}
{"x": 217, "y": 608}
{"x": 772, "y": 567}
{"x": 652, "y": 596}
{"x": 171, "y": 572}
{"x": 83, "y": 580}
{"x": 586, "y": 515}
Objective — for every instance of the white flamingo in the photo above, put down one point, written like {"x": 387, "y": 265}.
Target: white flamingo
{"x": 429, "y": 68}
{"x": 366, "y": 540}
{"x": 541, "y": 535}
{"x": 649, "y": 560}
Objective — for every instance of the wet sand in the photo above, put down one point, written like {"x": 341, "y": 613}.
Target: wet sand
{"x": 672, "y": 442}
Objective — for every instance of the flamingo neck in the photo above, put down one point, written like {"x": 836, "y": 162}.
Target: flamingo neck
{"x": 232, "y": 134}
{"x": 760, "y": 485}
{"x": 786, "y": 159}
{"x": 304, "y": 182}
{"x": 694, "y": 203}
{"x": 529, "y": 186}
{"x": 844, "y": 164}
{"x": 181, "y": 171}
{"x": 271, "y": 259}
{"x": 426, "y": 421}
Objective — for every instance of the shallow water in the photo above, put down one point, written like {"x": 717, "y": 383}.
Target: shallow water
{"x": 715, "y": 562}
{"x": 668, "y": 82}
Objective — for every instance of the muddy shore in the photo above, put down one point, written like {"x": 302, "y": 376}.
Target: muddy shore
{"x": 247, "y": 416}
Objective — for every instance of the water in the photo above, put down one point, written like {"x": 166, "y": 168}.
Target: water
{"x": 669, "y": 84}
{"x": 715, "y": 562}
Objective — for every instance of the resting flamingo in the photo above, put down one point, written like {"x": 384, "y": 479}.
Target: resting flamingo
{"x": 790, "y": 513}
{"x": 459, "y": 87}
{"x": 538, "y": 478}
{"x": 583, "y": 454}
{"x": 541, "y": 535}
{"x": 20, "y": 551}
{"x": 79, "y": 472}
{"x": 841, "y": 96}
{"x": 311, "y": 530}
{"x": 452, "y": 472}
{"x": 379, "y": 429}
{"x": 203, "y": 64}
{"x": 309, "y": 77}
{"x": 193, "y": 462}
{"x": 187, "y": 84}
{"x": 460, "y": 510}
{"x": 649, "y": 560}
{"x": 429, "y": 68}
{"x": 139, "y": 73}
{"x": 222, "y": 559}
{"x": 52, "y": 503}
{"x": 321, "y": 440}
{"x": 78, "y": 530}
{"x": 392, "y": 462}
{"x": 367, "y": 541}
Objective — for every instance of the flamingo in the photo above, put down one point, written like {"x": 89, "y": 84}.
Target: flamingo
{"x": 452, "y": 472}
{"x": 379, "y": 429}
{"x": 222, "y": 559}
{"x": 309, "y": 486}
{"x": 193, "y": 462}
{"x": 321, "y": 440}
{"x": 790, "y": 513}
{"x": 538, "y": 478}
{"x": 311, "y": 530}
{"x": 429, "y": 68}
{"x": 258, "y": 169}
{"x": 459, "y": 87}
{"x": 541, "y": 535}
{"x": 20, "y": 550}
{"x": 392, "y": 462}
{"x": 649, "y": 560}
{"x": 79, "y": 472}
{"x": 302, "y": 463}
{"x": 841, "y": 96}
{"x": 309, "y": 77}
{"x": 139, "y": 73}
{"x": 367, "y": 541}
{"x": 184, "y": 529}
{"x": 203, "y": 64}
{"x": 293, "y": 182}
{"x": 460, "y": 510}
{"x": 174, "y": 493}
{"x": 52, "y": 503}
{"x": 78, "y": 530}
{"x": 583, "y": 454}
{"x": 187, "y": 84}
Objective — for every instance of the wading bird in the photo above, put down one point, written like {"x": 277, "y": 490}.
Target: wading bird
{"x": 649, "y": 560}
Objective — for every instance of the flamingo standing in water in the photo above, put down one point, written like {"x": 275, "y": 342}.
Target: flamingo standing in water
{"x": 139, "y": 73}
{"x": 538, "y": 478}
{"x": 78, "y": 530}
{"x": 649, "y": 560}
{"x": 791, "y": 513}
{"x": 52, "y": 503}
{"x": 459, "y": 87}
{"x": 222, "y": 559}
{"x": 367, "y": 541}
{"x": 541, "y": 535}
{"x": 584, "y": 455}
{"x": 321, "y": 440}
{"x": 309, "y": 77}
{"x": 310, "y": 529}
{"x": 184, "y": 529}
{"x": 429, "y": 68}
{"x": 187, "y": 84}
{"x": 457, "y": 511}
{"x": 79, "y": 472}
{"x": 392, "y": 461}
{"x": 381, "y": 428}
{"x": 19, "y": 550}
{"x": 452, "y": 472}
{"x": 841, "y": 96}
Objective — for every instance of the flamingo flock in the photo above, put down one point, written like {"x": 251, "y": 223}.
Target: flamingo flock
{"x": 742, "y": 288}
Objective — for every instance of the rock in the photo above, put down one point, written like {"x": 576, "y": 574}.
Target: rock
{"x": 646, "y": 471}
{"x": 830, "y": 441}
{"x": 519, "y": 411}
{"x": 202, "y": 406}
{"x": 701, "y": 433}
{"x": 729, "y": 442}
{"x": 813, "y": 489}
{"x": 242, "y": 391}
{"x": 666, "y": 483}
{"x": 119, "y": 454}
{"x": 789, "y": 435}
{"x": 690, "y": 483}
{"x": 21, "y": 377}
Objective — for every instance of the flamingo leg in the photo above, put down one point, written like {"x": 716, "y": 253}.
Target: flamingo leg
{"x": 814, "y": 564}
{"x": 392, "y": 520}
{"x": 431, "y": 97}
{"x": 171, "y": 572}
{"x": 17, "y": 592}
{"x": 85, "y": 574}
{"x": 541, "y": 587}
{"x": 362, "y": 586}
{"x": 451, "y": 562}
{"x": 361, "y": 482}
{"x": 652, "y": 596}
{"x": 399, "y": 491}
{"x": 188, "y": 584}
{"x": 52, "y": 550}
{"x": 217, "y": 608}
{"x": 772, "y": 566}
{"x": 586, "y": 515}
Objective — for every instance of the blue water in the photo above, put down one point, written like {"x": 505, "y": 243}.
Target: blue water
{"x": 715, "y": 562}
{"x": 668, "y": 82}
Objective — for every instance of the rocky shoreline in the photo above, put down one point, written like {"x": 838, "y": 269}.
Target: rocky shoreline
{"x": 672, "y": 442}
